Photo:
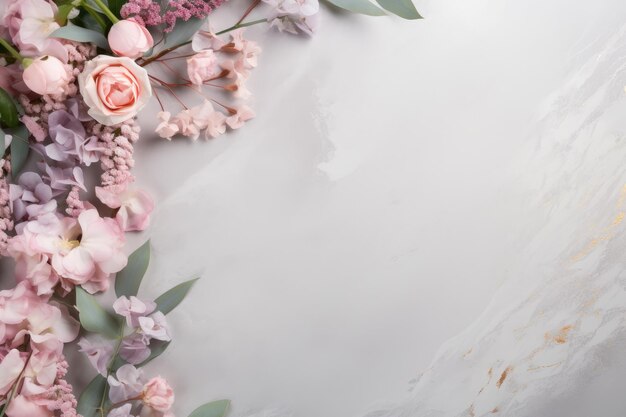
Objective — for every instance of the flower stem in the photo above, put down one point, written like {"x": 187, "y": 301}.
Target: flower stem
{"x": 95, "y": 16}
{"x": 11, "y": 50}
{"x": 106, "y": 11}
{"x": 248, "y": 10}
{"x": 173, "y": 48}
{"x": 241, "y": 25}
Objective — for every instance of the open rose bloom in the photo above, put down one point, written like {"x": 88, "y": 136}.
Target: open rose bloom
{"x": 114, "y": 88}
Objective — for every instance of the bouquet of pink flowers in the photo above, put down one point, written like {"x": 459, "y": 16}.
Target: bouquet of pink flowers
{"x": 74, "y": 75}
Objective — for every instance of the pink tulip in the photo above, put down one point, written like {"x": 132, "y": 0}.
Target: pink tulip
{"x": 46, "y": 75}
{"x": 130, "y": 39}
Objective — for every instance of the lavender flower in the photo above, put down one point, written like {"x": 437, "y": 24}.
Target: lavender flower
{"x": 68, "y": 140}
{"x": 30, "y": 197}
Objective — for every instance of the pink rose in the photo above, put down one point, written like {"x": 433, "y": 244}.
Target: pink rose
{"x": 46, "y": 75}
{"x": 158, "y": 395}
{"x": 114, "y": 88}
{"x": 128, "y": 38}
{"x": 202, "y": 67}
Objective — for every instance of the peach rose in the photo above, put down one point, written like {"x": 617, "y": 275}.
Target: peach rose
{"x": 114, "y": 88}
{"x": 129, "y": 38}
{"x": 158, "y": 395}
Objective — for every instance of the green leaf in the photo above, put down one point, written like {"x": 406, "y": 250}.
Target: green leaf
{"x": 170, "y": 299}
{"x": 63, "y": 12}
{"x": 157, "y": 347}
{"x": 8, "y": 110}
{"x": 128, "y": 280}
{"x": 183, "y": 31}
{"x": 358, "y": 6}
{"x": 402, "y": 8}
{"x": 79, "y": 34}
{"x": 212, "y": 409}
{"x": 115, "y": 6}
{"x": 93, "y": 317}
{"x": 3, "y": 142}
{"x": 20, "y": 148}
{"x": 90, "y": 399}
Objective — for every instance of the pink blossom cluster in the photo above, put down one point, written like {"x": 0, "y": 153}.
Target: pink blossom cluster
{"x": 214, "y": 61}
{"x": 32, "y": 366}
{"x": 149, "y": 13}
{"x": 53, "y": 250}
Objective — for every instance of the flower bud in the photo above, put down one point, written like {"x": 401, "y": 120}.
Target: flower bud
{"x": 46, "y": 75}
{"x": 128, "y": 38}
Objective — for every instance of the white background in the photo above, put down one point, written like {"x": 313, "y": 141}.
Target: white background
{"x": 391, "y": 183}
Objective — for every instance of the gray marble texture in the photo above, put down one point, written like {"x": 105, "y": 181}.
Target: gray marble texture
{"x": 424, "y": 220}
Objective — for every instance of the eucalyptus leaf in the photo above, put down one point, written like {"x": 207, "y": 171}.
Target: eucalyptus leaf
{"x": 80, "y": 34}
{"x": 402, "y": 8}
{"x": 8, "y": 110}
{"x": 182, "y": 33}
{"x": 358, "y": 6}
{"x": 157, "y": 347}
{"x": 128, "y": 280}
{"x": 212, "y": 409}
{"x": 90, "y": 399}
{"x": 93, "y": 317}
{"x": 3, "y": 142}
{"x": 20, "y": 148}
{"x": 171, "y": 298}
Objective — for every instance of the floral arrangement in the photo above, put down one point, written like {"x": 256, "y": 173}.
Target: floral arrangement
{"x": 74, "y": 75}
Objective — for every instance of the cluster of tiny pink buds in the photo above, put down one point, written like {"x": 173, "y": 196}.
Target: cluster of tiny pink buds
{"x": 59, "y": 397}
{"x": 117, "y": 157}
{"x": 148, "y": 12}
{"x": 75, "y": 205}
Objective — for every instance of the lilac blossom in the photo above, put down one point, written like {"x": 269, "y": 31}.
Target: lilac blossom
{"x": 155, "y": 326}
{"x": 132, "y": 309}
{"x": 30, "y": 197}
{"x": 294, "y": 15}
{"x": 98, "y": 351}
{"x": 68, "y": 140}
{"x": 126, "y": 384}
{"x": 63, "y": 179}
{"x": 134, "y": 348}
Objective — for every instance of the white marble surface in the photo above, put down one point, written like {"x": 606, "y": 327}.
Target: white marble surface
{"x": 454, "y": 182}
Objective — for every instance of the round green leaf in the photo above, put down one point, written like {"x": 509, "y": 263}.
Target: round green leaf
{"x": 212, "y": 409}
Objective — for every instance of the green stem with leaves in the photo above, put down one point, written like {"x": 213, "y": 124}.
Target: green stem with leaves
{"x": 106, "y": 11}
{"x": 14, "y": 53}
{"x": 95, "y": 16}
{"x": 110, "y": 369}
